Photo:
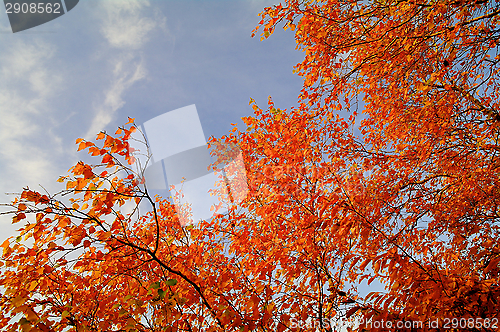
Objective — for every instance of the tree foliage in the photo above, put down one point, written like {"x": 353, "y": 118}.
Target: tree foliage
{"x": 411, "y": 201}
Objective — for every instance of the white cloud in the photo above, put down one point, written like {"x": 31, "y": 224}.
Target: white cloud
{"x": 125, "y": 73}
{"x": 29, "y": 153}
{"x": 39, "y": 80}
{"x": 24, "y": 58}
{"x": 124, "y": 26}
{"x": 23, "y": 103}
{"x": 27, "y": 164}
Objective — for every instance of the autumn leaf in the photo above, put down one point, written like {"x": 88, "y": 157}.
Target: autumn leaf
{"x": 352, "y": 311}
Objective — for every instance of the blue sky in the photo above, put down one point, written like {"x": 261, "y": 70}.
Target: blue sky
{"x": 105, "y": 60}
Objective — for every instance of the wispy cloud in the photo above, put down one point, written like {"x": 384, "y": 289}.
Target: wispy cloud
{"x": 124, "y": 24}
{"x": 21, "y": 58}
{"x": 126, "y": 27}
{"x": 24, "y": 153}
{"x": 30, "y": 150}
{"x": 125, "y": 74}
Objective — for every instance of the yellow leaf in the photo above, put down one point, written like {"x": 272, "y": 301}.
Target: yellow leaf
{"x": 18, "y": 301}
{"x": 32, "y": 285}
{"x": 31, "y": 315}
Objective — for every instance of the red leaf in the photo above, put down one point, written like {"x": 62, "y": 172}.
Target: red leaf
{"x": 352, "y": 311}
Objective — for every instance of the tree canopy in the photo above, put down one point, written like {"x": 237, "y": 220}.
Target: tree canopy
{"x": 411, "y": 201}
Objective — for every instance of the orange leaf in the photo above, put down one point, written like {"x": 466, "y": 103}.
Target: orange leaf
{"x": 106, "y": 159}
{"x": 82, "y": 146}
